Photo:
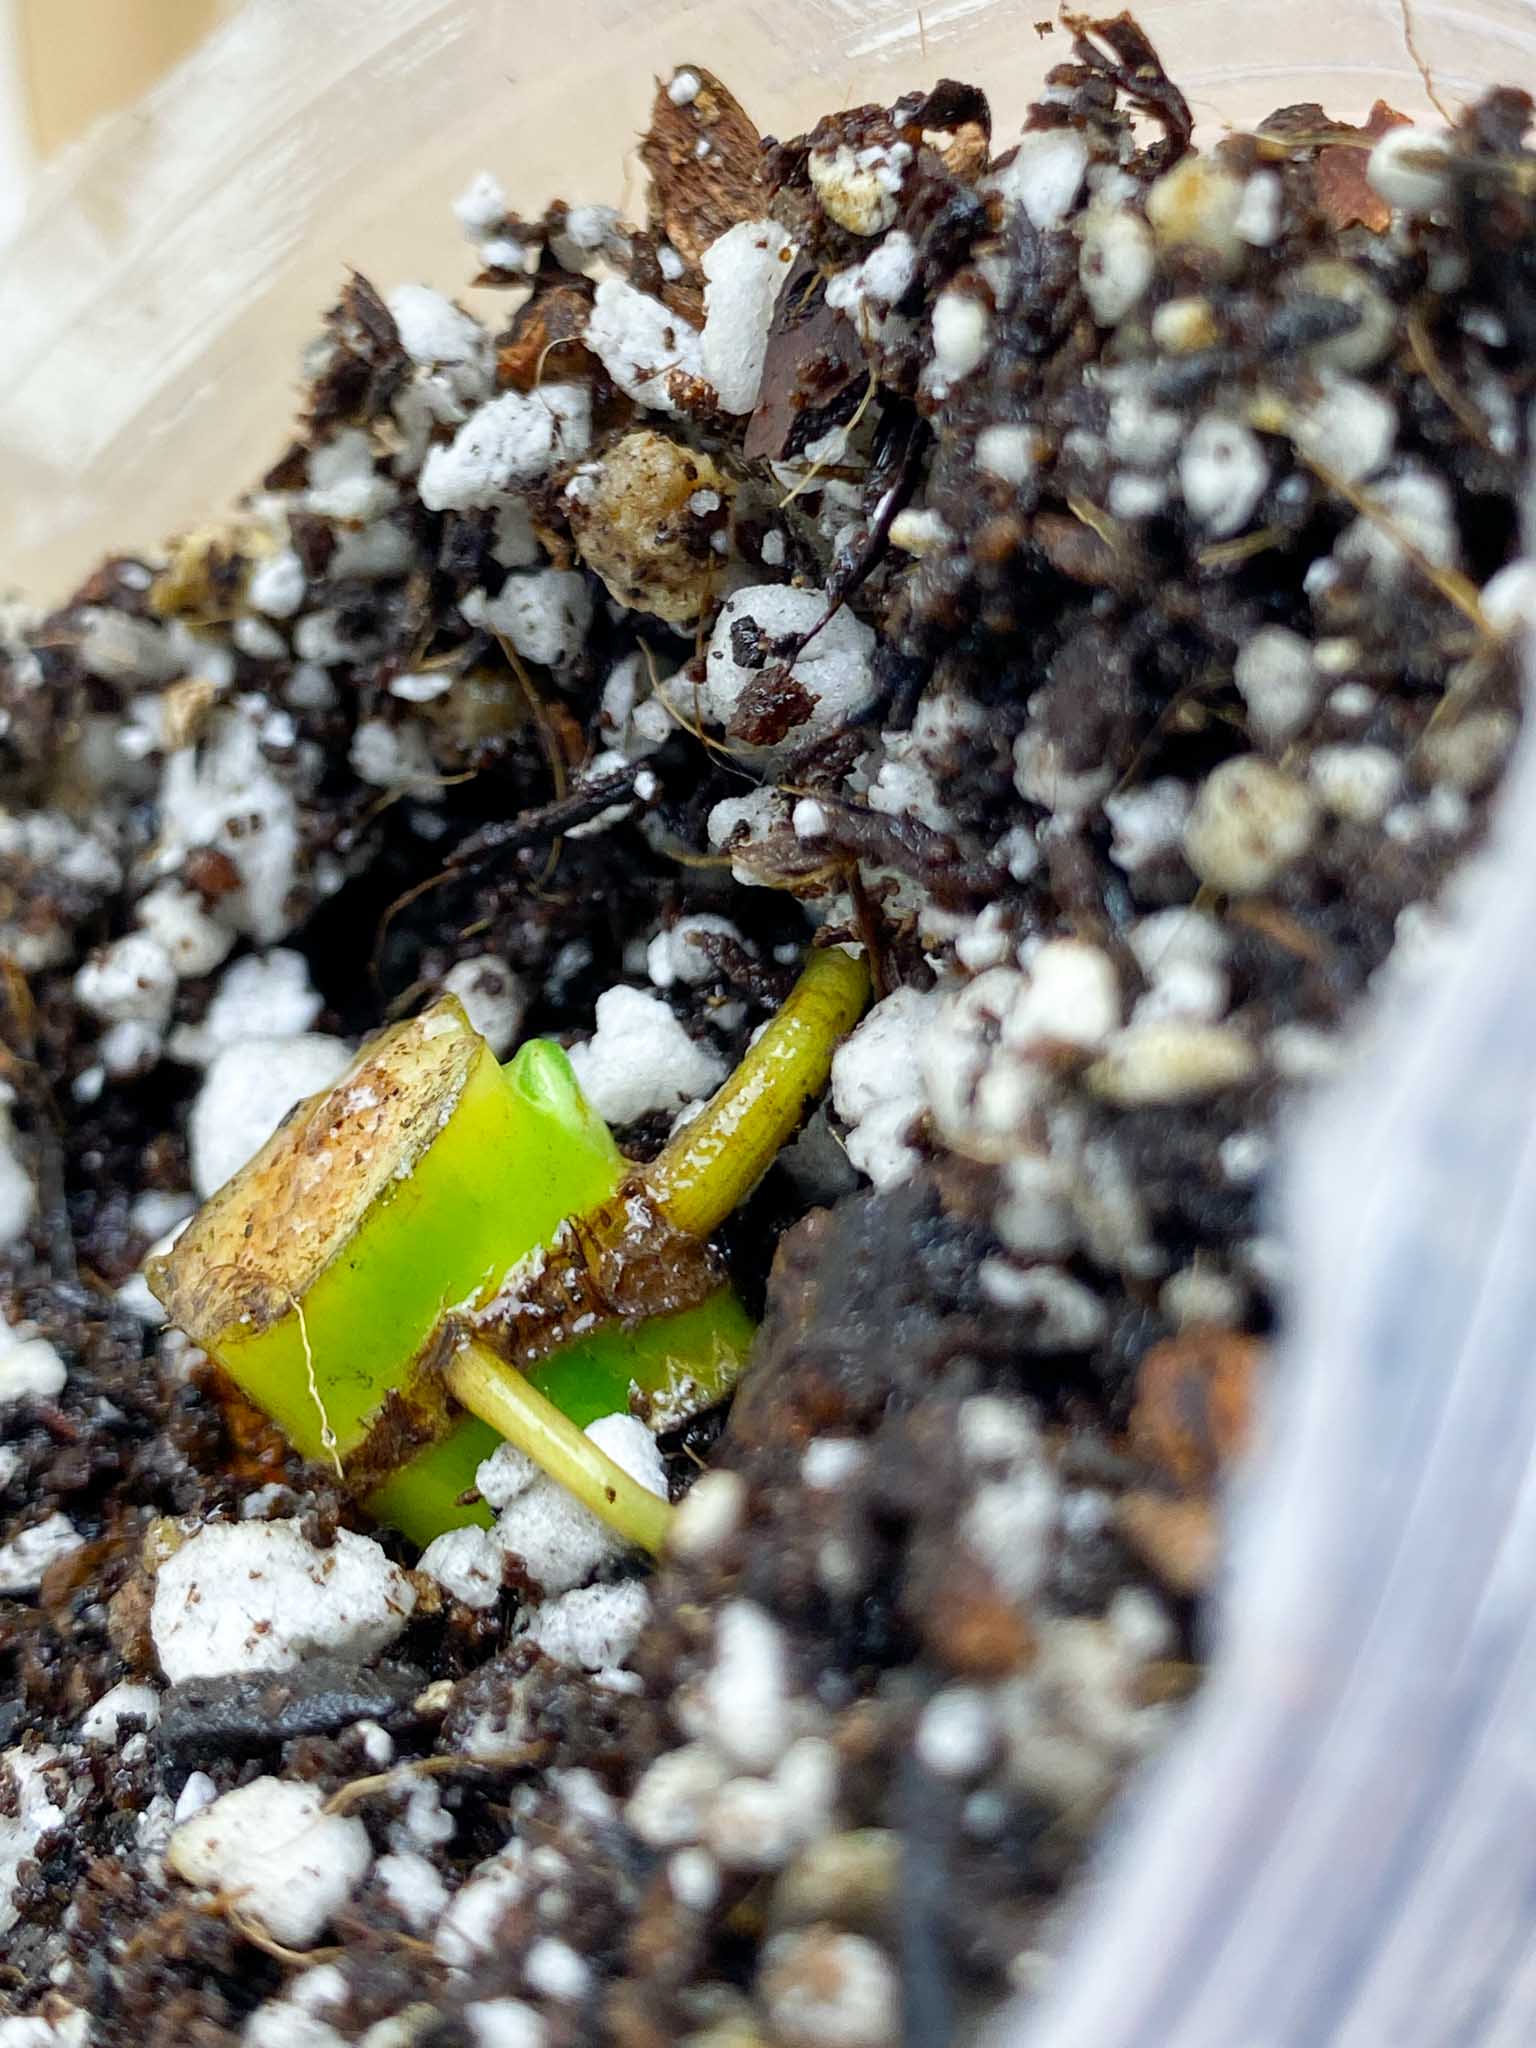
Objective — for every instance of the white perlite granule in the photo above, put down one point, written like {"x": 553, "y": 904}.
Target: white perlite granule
{"x": 640, "y": 342}
{"x": 466, "y": 1563}
{"x": 1045, "y": 175}
{"x": 174, "y": 917}
{"x": 641, "y": 1059}
{"x": 559, "y": 1543}
{"x": 256, "y": 1596}
{"x": 877, "y": 1086}
{"x": 1249, "y": 822}
{"x": 511, "y": 440}
{"x": 593, "y": 1627}
{"x": 34, "y": 1803}
{"x": 273, "y": 1853}
{"x": 505, "y": 2023}
{"x": 708, "y": 1514}
{"x": 27, "y": 1556}
{"x": 494, "y": 998}
{"x": 962, "y": 333}
{"x": 1223, "y": 473}
{"x": 746, "y": 1689}
{"x": 250, "y": 1088}
{"x": 743, "y": 271}
{"x": 264, "y": 995}
{"x": 826, "y": 1989}
{"x": 435, "y": 333}
{"x": 18, "y": 1197}
{"x": 30, "y": 1368}
{"x": 225, "y": 794}
{"x": 125, "y": 1701}
{"x": 675, "y": 1795}
{"x": 70, "y": 2029}
{"x": 545, "y": 613}
{"x": 414, "y": 1888}
{"x": 674, "y": 955}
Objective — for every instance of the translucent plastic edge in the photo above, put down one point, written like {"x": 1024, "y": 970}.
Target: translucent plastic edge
{"x": 1340, "y": 1845}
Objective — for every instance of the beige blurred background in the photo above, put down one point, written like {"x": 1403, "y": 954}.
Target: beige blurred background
{"x": 65, "y": 63}
{"x": 82, "y": 58}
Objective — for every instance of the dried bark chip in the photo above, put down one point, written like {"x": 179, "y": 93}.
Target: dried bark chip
{"x": 770, "y": 707}
{"x": 211, "y": 873}
{"x": 312, "y": 538}
{"x": 128, "y": 1622}
{"x": 1295, "y": 125}
{"x": 1194, "y": 1403}
{"x": 1076, "y": 551}
{"x": 543, "y": 343}
{"x": 1345, "y": 196}
{"x": 703, "y": 155}
{"x": 1117, "y": 48}
{"x": 202, "y": 577}
{"x": 1500, "y": 120}
{"x": 967, "y": 155}
{"x": 186, "y": 708}
{"x": 107, "y": 585}
{"x": 814, "y": 372}
{"x": 368, "y": 362}
{"x": 956, "y": 119}
{"x": 952, "y": 103}
{"x": 1180, "y": 1540}
{"x": 75, "y": 1569}
{"x": 970, "y": 1627}
{"x": 529, "y": 238}
{"x": 291, "y": 470}
{"x": 696, "y": 398}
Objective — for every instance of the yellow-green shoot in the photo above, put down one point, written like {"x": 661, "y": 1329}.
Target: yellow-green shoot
{"x": 348, "y": 1277}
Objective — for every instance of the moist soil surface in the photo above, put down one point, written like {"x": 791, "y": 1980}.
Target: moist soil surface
{"x": 1081, "y": 572}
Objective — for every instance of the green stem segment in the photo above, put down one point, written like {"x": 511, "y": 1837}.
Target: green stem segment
{"x": 706, "y": 1172}
{"x": 342, "y": 1259}
{"x": 714, "y": 1163}
{"x": 516, "y": 1410}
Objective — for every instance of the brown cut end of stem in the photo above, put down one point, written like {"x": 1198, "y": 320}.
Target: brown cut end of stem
{"x": 257, "y": 1246}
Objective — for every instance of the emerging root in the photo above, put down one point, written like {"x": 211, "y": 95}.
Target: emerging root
{"x": 327, "y": 1434}
{"x": 500, "y": 1395}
